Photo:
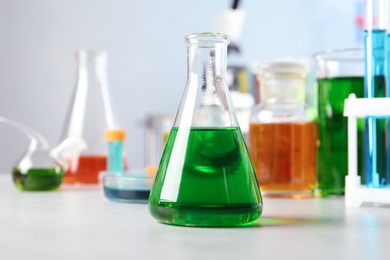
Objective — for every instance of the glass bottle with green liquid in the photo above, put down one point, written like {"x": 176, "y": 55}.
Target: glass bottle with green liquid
{"x": 205, "y": 176}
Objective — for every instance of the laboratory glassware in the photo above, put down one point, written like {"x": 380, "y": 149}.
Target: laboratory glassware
{"x": 376, "y": 154}
{"x": 157, "y": 128}
{"x": 387, "y": 90}
{"x": 116, "y": 159}
{"x": 339, "y": 72}
{"x": 132, "y": 186}
{"x": 119, "y": 183}
{"x": 35, "y": 170}
{"x": 82, "y": 149}
{"x": 205, "y": 176}
{"x": 283, "y": 132}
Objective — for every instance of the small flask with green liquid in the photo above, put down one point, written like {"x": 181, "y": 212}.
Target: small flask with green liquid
{"x": 205, "y": 176}
{"x": 36, "y": 170}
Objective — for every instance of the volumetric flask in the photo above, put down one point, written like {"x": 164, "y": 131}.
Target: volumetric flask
{"x": 339, "y": 73}
{"x": 205, "y": 176}
{"x": 35, "y": 170}
{"x": 283, "y": 132}
{"x": 82, "y": 149}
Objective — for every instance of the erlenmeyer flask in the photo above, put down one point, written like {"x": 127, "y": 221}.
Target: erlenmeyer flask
{"x": 205, "y": 176}
{"x": 36, "y": 170}
{"x": 83, "y": 150}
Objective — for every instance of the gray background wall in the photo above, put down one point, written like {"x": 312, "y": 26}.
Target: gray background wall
{"x": 147, "y": 54}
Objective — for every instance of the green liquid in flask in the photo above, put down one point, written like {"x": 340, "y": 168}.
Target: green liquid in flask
{"x": 38, "y": 179}
{"x": 205, "y": 178}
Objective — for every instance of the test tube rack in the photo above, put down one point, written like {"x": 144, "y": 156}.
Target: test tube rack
{"x": 356, "y": 193}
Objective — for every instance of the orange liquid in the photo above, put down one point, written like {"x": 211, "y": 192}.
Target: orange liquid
{"x": 284, "y": 158}
{"x": 88, "y": 170}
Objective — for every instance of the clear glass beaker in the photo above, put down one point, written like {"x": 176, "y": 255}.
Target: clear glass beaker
{"x": 82, "y": 149}
{"x": 283, "y": 132}
{"x": 205, "y": 176}
{"x": 339, "y": 73}
{"x": 35, "y": 170}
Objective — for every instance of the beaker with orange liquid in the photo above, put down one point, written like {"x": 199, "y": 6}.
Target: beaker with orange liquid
{"x": 283, "y": 132}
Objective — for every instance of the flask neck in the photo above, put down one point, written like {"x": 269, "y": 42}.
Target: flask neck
{"x": 92, "y": 79}
{"x": 206, "y": 101}
{"x": 37, "y": 141}
{"x": 205, "y": 64}
{"x": 91, "y": 83}
{"x": 91, "y": 64}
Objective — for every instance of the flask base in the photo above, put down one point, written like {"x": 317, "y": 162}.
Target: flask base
{"x": 331, "y": 192}
{"x": 205, "y": 215}
{"x": 291, "y": 194}
{"x": 38, "y": 179}
{"x": 87, "y": 171}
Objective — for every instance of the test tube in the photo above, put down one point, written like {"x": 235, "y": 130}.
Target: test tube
{"x": 115, "y": 139}
{"x": 387, "y": 81}
{"x": 375, "y": 141}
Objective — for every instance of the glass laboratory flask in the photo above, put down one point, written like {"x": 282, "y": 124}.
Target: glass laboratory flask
{"x": 82, "y": 149}
{"x": 205, "y": 176}
{"x": 35, "y": 170}
{"x": 283, "y": 132}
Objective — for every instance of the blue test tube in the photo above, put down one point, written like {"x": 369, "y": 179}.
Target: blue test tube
{"x": 387, "y": 81}
{"x": 115, "y": 139}
{"x": 376, "y": 169}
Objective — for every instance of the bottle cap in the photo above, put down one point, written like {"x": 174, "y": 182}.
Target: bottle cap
{"x": 115, "y": 135}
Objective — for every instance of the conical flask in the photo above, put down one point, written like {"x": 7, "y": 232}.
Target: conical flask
{"x": 205, "y": 176}
{"x": 35, "y": 170}
{"x": 82, "y": 150}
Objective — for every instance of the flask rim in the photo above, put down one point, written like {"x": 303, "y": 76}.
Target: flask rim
{"x": 206, "y": 39}
{"x": 345, "y": 54}
{"x": 85, "y": 54}
{"x": 282, "y": 68}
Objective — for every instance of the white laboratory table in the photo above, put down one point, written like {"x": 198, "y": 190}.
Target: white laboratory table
{"x": 80, "y": 223}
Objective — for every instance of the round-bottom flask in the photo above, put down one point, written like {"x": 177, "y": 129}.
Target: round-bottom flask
{"x": 205, "y": 176}
{"x": 36, "y": 170}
